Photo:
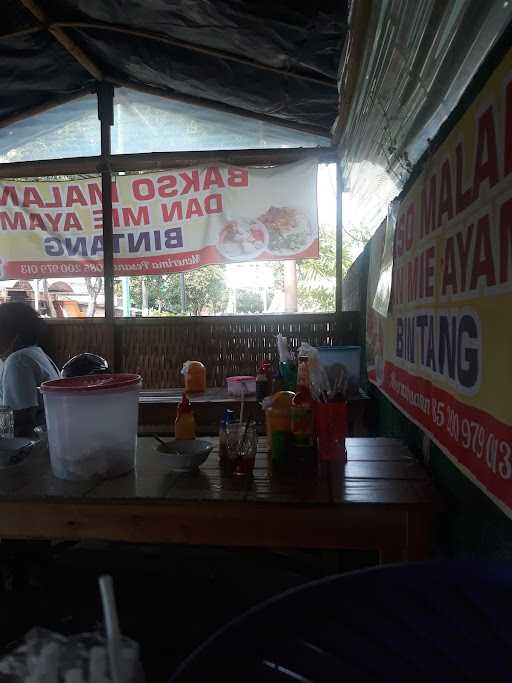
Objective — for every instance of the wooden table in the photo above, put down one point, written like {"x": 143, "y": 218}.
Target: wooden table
{"x": 381, "y": 499}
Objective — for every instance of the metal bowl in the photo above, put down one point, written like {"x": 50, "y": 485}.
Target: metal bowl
{"x": 185, "y": 456}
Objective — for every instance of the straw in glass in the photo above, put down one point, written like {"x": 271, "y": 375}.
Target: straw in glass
{"x": 112, "y": 626}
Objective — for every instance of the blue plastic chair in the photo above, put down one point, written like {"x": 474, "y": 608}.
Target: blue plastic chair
{"x": 414, "y": 623}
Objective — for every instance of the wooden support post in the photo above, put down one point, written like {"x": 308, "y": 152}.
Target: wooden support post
{"x": 339, "y": 241}
{"x": 106, "y": 117}
{"x": 290, "y": 286}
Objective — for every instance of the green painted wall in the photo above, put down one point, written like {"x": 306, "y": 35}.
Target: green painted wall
{"x": 472, "y": 526}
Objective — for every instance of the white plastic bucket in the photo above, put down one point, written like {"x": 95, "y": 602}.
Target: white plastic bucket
{"x": 92, "y": 425}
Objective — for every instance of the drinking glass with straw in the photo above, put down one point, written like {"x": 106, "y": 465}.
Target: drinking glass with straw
{"x": 241, "y": 444}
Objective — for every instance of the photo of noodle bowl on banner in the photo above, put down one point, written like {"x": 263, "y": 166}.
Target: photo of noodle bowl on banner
{"x": 282, "y": 231}
{"x": 289, "y": 230}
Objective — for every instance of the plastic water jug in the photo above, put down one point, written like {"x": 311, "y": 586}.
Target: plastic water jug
{"x": 92, "y": 425}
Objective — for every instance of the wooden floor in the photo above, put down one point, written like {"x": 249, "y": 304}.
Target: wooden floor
{"x": 381, "y": 499}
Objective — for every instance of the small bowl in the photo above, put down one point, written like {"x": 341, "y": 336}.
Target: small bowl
{"x": 185, "y": 456}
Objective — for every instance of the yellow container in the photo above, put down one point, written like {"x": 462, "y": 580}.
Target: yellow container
{"x": 278, "y": 418}
{"x": 185, "y": 427}
{"x": 195, "y": 377}
{"x": 277, "y": 421}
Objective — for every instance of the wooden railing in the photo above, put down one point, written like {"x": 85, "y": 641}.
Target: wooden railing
{"x": 157, "y": 347}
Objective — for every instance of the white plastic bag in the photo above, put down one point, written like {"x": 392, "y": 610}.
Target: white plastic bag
{"x": 319, "y": 382}
{"x": 282, "y": 349}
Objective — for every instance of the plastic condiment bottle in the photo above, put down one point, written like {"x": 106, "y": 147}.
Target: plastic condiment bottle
{"x": 278, "y": 382}
{"x": 267, "y": 369}
{"x": 185, "y": 424}
{"x": 262, "y": 387}
{"x": 303, "y": 423}
{"x": 195, "y": 376}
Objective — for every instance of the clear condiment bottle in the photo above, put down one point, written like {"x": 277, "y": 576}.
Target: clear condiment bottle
{"x": 303, "y": 423}
{"x": 229, "y": 416}
{"x": 303, "y": 372}
{"x": 278, "y": 382}
{"x": 185, "y": 424}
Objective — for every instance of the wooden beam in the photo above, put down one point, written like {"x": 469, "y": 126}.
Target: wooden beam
{"x": 171, "y": 94}
{"x": 106, "y": 117}
{"x": 300, "y": 525}
{"x": 22, "y": 32}
{"x": 74, "y": 50}
{"x": 51, "y": 167}
{"x": 200, "y": 49}
{"x": 352, "y": 61}
{"x": 155, "y": 161}
{"x": 41, "y": 108}
{"x": 339, "y": 242}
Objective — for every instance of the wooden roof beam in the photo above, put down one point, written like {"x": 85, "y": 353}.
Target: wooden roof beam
{"x": 42, "y": 108}
{"x": 59, "y": 34}
{"x": 170, "y": 94}
{"x": 155, "y": 161}
{"x": 200, "y": 49}
{"x": 351, "y": 63}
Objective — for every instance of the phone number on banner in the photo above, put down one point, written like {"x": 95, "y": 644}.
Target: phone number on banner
{"x": 476, "y": 440}
{"x": 473, "y": 436}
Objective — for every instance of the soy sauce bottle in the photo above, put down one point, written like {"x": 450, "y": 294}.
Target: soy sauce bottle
{"x": 262, "y": 387}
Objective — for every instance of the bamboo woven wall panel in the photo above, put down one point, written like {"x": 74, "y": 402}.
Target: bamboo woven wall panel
{"x": 157, "y": 349}
{"x": 66, "y": 339}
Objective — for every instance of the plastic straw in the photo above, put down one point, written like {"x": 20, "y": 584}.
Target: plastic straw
{"x": 112, "y": 626}
{"x": 242, "y": 403}
{"x": 244, "y": 437}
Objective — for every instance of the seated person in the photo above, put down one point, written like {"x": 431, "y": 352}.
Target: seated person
{"x": 25, "y": 365}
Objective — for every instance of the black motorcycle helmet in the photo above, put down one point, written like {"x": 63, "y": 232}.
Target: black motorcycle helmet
{"x": 84, "y": 364}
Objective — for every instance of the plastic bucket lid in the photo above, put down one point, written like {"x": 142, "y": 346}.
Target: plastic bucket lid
{"x": 91, "y": 383}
